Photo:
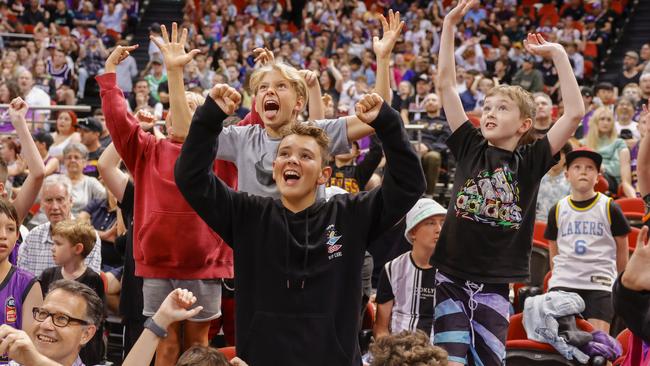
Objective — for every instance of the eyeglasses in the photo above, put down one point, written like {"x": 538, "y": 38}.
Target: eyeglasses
{"x": 58, "y": 319}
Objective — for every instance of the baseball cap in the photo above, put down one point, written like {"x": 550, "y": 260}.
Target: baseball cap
{"x": 632, "y": 54}
{"x": 423, "y": 209}
{"x": 156, "y": 59}
{"x": 584, "y": 152}
{"x": 90, "y": 124}
{"x": 586, "y": 91}
{"x": 423, "y": 77}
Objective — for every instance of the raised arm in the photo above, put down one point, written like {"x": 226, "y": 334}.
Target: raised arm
{"x": 446, "y": 80}
{"x": 129, "y": 139}
{"x": 175, "y": 57}
{"x": 383, "y": 48}
{"x": 643, "y": 158}
{"x": 566, "y": 125}
{"x": 316, "y": 110}
{"x": 175, "y": 308}
{"x": 109, "y": 169}
{"x": 204, "y": 192}
{"x": 404, "y": 181}
{"x": 31, "y": 187}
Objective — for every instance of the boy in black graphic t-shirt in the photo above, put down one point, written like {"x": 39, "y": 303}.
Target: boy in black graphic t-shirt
{"x": 487, "y": 236}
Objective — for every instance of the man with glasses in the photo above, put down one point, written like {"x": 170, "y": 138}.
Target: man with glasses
{"x": 67, "y": 320}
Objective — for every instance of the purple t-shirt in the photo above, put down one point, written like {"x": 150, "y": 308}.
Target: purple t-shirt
{"x": 13, "y": 291}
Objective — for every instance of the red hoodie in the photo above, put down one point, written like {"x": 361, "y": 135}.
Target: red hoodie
{"x": 170, "y": 240}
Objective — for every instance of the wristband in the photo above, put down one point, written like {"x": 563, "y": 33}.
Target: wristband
{"x": 155, "y": 328}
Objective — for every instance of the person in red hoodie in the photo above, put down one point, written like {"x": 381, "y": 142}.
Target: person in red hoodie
{"x": 193, "y": 257}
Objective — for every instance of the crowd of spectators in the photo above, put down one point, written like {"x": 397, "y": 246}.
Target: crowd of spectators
{"x": 69, "y": 40}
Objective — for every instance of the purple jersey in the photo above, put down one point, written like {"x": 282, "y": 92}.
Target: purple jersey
{"x": 13, "y": 291}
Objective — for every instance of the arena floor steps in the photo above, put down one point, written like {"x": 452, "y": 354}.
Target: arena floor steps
{"x": 634, "y": 35}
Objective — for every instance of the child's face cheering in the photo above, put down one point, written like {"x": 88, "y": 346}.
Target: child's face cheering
{"x": 501, "y": 122}
{"x": 582, "y": 174}
{"x": 8, "y": 236}
{"x": 297, "y": 169}
{"x": 277, "y": 101}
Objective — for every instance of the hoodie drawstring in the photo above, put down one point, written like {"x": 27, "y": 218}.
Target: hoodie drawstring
{"x": 287, "y": 250}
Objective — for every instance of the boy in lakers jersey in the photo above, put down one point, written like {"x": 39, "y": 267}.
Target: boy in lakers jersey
{"x": 587, "y": 235}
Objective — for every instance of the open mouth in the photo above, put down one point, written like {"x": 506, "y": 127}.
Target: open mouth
{"x": 490, "y": 125}
{"x": 271, "y": 108}
{"x": 291, "y": 177}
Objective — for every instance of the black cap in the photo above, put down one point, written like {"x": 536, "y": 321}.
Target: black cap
{"x": 584, "y": 152}
{"x": 423, "y": 77}
{"x": 586, "y": 91}
{"x": 90, "y": 124}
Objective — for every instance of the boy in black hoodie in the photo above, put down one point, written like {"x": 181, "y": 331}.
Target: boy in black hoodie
{"x": 298, "y": 259}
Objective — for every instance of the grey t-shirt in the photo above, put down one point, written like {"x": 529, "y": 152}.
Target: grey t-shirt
{"x": 253, "y": 151}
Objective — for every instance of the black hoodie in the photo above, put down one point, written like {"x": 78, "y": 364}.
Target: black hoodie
{"x": 298, "y": 275}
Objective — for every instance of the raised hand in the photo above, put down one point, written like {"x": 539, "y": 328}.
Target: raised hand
{"x": 458, "y": 12}
{"x": 17, "y": 110}
{"x": 536, "y": 45}
{"x": 175, "y": 308}
{"x": 118, "y": 55}
{"x": 144, "y": 116}
{"x": 368, "y": 107}
{"x": 18, "y": 346}
{"x": 392, "y": 28}
{"x": 311, "y": 78}
{"x": 173, "y": 49}
{"x": 226, "y": 97}
{"x": 637, "y": 272}
{"x": 263, "y": 56}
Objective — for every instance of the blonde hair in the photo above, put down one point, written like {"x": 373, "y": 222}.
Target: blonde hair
{"x": 593, "y": 136}
{"x": 523, "y": 98}
{"x": 288, "y": 72}
{"x": 77, "y": 232}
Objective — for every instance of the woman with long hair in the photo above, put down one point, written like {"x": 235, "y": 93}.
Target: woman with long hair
{"x": 602, "y": 137}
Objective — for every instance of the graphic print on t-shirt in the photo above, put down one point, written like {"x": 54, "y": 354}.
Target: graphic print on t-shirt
{"x": 491, "y": 198}
{"x": 264, "y": 176}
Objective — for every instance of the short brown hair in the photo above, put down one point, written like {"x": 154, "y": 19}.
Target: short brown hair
{"x": 77, "y": 232}
{"x": 523, "y": 98}
{"x": 202, "y": 356}
{"x": 311, "y": 130}
{"x": 407, "y": 348}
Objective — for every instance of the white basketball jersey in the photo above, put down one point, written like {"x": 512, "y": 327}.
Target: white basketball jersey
{"x": 586, "y": 258}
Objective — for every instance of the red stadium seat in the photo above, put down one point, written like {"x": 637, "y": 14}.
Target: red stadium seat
{"x": 632, "y": 237}
{"x": 518, "y": 340}
{"x": 591, "y": 50}
{"x": 538, "y": 232}
{"x": 633, "y": 208}
{"x": 369, "y": 317}
{"x": 601, "y": 186}
{"x": 624, "y": 339}
{"x": 546, "y": 279}
{"x": 229, "y": 352}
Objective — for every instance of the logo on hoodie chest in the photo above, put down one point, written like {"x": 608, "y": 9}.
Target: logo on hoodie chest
{"x": 333, "y": 245}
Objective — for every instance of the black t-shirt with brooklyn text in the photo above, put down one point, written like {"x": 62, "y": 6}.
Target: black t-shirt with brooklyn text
{"x": 487, "y": 235}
